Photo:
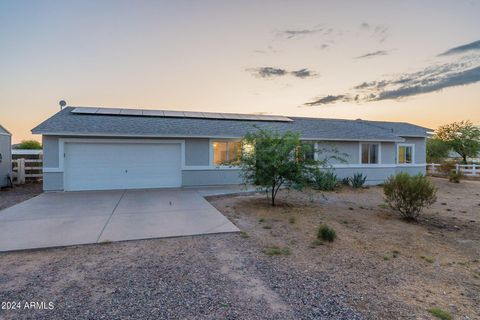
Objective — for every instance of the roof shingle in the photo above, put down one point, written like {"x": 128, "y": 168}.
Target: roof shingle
{"x": 67, "y": 123}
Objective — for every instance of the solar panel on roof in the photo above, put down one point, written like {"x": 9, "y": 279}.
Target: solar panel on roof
{"x": 153, "y": 113}
{"x": 173, "y": 114}
{"x": 191, "y": 114}
{"x": 213, "y": 115}
{"x": 85, "y": 110}
{"x": 111, "y": 111}
{"x": 178, "y": 114}
{"x": 131, "y": 112}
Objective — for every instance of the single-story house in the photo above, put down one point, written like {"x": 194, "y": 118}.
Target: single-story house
{"x": 87, "y": 148}
{"x": 5, "y": 156}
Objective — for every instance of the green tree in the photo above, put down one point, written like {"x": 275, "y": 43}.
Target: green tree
{"x": 30, "y": 144}
{"x": 437, "y": 150}
{"x": 272, "y": 160}
{"x": 463, "y": 137}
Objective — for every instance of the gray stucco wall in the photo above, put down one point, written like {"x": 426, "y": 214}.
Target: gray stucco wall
{"x": 210, "y": 177}
{"x": 197, "y": 153}
{"x": 6, "y": 162}
{"x": 50, "y": 151}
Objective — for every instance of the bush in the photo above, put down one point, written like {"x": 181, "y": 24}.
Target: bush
{"x": 358, "y": 180}
{"x": 326, "y": 233}
{"x": 455, "y": 177}
{"x": 276, "y": 251}
{"x": 323, "y": 180}
{"x": 440, "y": 314}
{"x": 447, "y": 167}
{"x": 346, "y": 181}
{"x": 409, "y": 194}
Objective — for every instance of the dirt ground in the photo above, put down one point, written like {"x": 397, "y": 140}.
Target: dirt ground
{"x": 396, "y": 269}
{"x": 19, "y": 193}
{"x": 379, "y": 267}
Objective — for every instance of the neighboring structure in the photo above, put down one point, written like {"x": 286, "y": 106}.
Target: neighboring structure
{"x": 5, "y": 157}
{"x": 102, "y": 148}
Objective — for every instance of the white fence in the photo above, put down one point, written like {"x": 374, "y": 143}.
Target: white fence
{"x": 27, "y": 169}
{"x": 468, "y": 170}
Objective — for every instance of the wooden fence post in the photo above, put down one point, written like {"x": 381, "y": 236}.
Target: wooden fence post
{"x": 21, "y": 171}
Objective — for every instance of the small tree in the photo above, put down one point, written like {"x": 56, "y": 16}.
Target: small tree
{"x": 272, "y": 160}
{"x": 409, "y": 194}
{"x": 30, "y": 144}
{"x": 437, "y": 150}
{"x": 463, "y": 137}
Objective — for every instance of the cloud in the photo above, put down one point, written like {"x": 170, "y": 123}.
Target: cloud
{"x": 327, "y": 100}
{"x": 454, "y": 79}
{"x": 272, "y": 72}
{"x": 432, "y": 78}
{"x": 473, "y": 46}
{"x": 381, "y": 32}
{"x": 268, "y": 72}
{"x": 303, "y": 73}
{"x": 294, "y": 33}
{"x": 373, "y": 54}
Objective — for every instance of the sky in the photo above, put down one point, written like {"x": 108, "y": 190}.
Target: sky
{"x": 413, "y": 61}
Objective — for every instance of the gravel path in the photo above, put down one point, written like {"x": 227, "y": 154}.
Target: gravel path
{"x": 207, "y": 277}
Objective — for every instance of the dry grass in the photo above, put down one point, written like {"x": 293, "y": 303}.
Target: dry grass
{"x": 392, "y": 265}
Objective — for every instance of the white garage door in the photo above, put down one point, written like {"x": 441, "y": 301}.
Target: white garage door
{"x": 104, "y": 166}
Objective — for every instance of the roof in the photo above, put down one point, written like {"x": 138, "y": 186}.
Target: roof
{"x": 4, "y": 131}
{"x": 68, "y": 123}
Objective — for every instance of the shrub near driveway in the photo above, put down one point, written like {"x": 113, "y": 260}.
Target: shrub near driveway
{"x": 409, "y": 194}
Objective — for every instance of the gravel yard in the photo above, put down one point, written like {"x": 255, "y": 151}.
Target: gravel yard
{"x": 379, "y": 267}
{"x": 9, "y": 197}
{"x": 211, "y": 277}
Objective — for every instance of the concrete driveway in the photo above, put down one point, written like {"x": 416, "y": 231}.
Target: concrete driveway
{"x": 72, "y": 218}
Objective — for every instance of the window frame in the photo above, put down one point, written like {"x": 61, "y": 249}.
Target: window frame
{"x": 314, "y": 143}
{"x": 412, "y": 145}
{"x": 212, "y": 153}
{"x": 379, "y": 156}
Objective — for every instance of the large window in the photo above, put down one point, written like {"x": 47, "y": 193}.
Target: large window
{"x": 225, "y": 152}
{"x": 370, "y": 153}
{"x": 405, "y": 154}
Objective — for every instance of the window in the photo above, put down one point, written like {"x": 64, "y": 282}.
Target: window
{"x": 370, "y": 153}
{"x": 226, "y": 151}
{"x": 405, "y": 154}
{"x": 309, "y": 150}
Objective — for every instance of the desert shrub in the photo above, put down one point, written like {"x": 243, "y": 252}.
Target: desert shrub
{"x": 358, "y": 180}
{"x": 346, "y": 181}
{"x": 455, "y": 177}
{"x": 440, "y": 314}
{"x": 326, "y": 233}
{"x": 447, "y": 167}
{"x": 409, "y": 194}
{"x": 323, "y": 180}
{"x": 276, "y": 251}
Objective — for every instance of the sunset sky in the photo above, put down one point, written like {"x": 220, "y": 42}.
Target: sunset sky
{"x": 414, "y": 61}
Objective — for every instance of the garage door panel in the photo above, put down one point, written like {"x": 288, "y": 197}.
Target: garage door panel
{"x": 103, "y": 166}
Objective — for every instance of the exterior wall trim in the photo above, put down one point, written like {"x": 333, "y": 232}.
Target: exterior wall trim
{"x": 154, "y": 136}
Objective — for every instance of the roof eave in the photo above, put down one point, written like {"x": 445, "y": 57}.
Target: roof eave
{"x": 98, "y": 134}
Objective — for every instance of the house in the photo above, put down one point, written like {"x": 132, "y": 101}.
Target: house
{"x": 88, "y": 148}
{"x": 5, "y": 157}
